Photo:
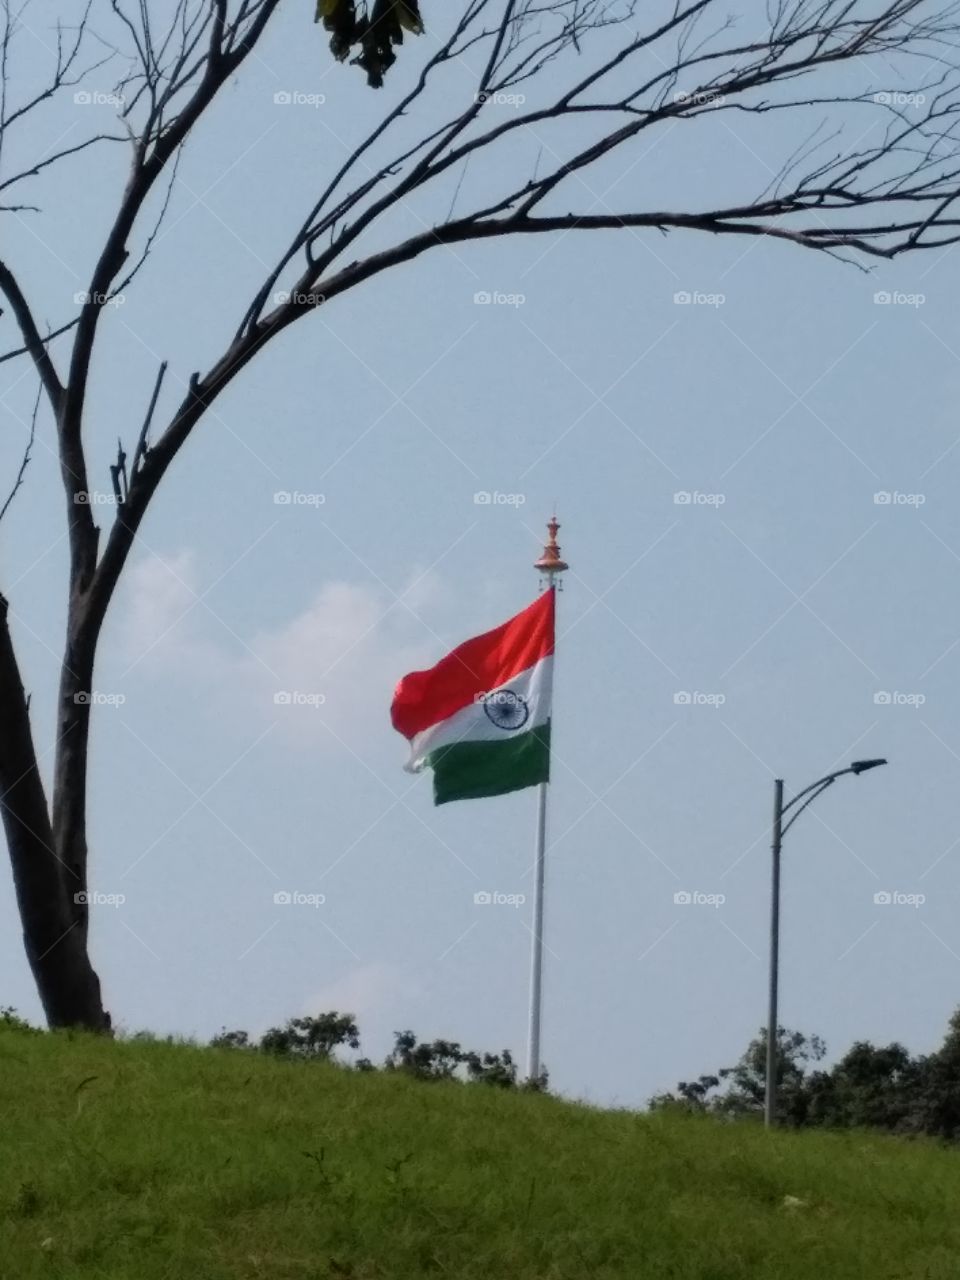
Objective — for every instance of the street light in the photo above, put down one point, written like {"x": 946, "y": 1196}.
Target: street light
{"x": 780, "y": 828}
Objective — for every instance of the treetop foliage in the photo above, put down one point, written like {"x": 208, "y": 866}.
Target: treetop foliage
{"x": 315, "y": 1038}
{"x": 871, "y": 1086}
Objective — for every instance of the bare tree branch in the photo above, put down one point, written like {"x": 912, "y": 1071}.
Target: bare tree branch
{"x": 33, "y": 342}
{"x": 25, "y": 461}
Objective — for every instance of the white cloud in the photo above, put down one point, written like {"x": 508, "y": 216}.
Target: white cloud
{"x": 160, "y": 596}
{"x": 348, "y": 647}
{"x": 382, "y": 999}
{"x": 368, "y": 993}
{"x": 332, "y": 666}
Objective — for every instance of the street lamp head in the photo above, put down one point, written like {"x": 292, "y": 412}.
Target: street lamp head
{"x": 861, "y": 766}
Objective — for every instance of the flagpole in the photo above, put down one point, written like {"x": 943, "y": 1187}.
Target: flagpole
{"x": 536, "y": 955}
{"x": 550, "y": 566}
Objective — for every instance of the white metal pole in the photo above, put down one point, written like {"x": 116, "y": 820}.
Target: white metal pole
{"x": 550, "y": 565}
{"x": 536, "y": 954}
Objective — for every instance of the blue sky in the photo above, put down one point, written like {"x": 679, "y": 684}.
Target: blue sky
{"x": 784, "y": 591}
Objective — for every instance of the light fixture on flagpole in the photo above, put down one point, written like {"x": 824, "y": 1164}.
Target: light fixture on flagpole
{"x": 550, "y": 562}
{"x": 550, "y": 566}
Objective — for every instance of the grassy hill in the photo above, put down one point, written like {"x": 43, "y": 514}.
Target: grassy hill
{"x": 144, "y": 1161}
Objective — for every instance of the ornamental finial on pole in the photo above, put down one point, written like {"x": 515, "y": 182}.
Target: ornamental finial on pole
{"x": 550, "y": 562}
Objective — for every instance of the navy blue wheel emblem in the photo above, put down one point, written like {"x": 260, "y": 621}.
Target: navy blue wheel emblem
{"x": 506, "y": 709}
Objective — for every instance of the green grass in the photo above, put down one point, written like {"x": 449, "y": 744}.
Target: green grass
{"x": 144, "y": 1161}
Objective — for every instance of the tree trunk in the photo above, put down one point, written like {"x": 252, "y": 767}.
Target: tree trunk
{"x": 50, "y": 888}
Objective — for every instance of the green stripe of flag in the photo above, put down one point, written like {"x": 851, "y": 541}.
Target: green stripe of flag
{"x": 471, "y": 770}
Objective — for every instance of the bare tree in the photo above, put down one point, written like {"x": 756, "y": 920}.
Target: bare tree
{"x": 589, "y": 79}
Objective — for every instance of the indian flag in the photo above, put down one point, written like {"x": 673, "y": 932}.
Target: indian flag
{"x": 481, "y": 717}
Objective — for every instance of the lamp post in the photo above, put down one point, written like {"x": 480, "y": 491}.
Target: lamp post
{"x": 780, "y": 829}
